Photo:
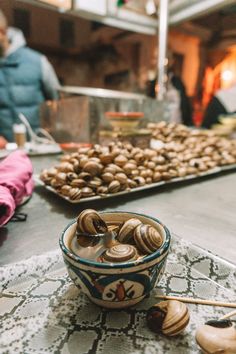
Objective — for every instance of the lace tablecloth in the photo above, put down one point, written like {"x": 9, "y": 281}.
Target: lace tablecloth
{"x": 41, "y": 311}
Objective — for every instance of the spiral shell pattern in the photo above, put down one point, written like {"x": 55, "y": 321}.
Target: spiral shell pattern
{"x": 89, "y": 221}
{"x": 147, "y": 238}
{"x": 177, "y": 318}
{"x": 168, "y": 317}
{"x": 120, "y": 253}
{"x": 126, "y": 231}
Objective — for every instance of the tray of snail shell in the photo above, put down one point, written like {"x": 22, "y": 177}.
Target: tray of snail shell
{"x": 118, "y": 169}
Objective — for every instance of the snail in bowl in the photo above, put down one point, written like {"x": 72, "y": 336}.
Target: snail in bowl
{"x": 91, "y": 268}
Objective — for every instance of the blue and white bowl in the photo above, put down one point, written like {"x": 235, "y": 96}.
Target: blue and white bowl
{"x": 122, "y": 284}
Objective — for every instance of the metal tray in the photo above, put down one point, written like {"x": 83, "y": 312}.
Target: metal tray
{"x": 173, "y": 181}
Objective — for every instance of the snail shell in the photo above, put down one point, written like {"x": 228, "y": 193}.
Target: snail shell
{"x": 92, "y": 167}
{"x": 107, "y": 177}
{"x": 65, "y": 189}
{"x": 114, "y": 187}
{"x": 139, "y": 180}
{"x": 74, "y": 193}
{"x": 106, "y": 158}
{"x": 61, "y": 177}
{"x": 214, "y": 339}
{"x": 78, "y": 182}
{"x": 120, "y": 160}
{"x": 168, "y": 317}
{"x": 121, "y": 177}
{"x": 45, "y": 177}
{"x": 87, "y": 192}
{"x": 120, "y": 253}
{"x": 147, "y": 238}
{"x": 51, "y": 172}
{"x": 126, "y": 231}
{"x": 131, "y": 183}
{"x": 102, "y": 190}
{"x": 85, "y": 176}
{"x": 89, "y": 221}
{"x": 156, "y": 176}
{"x": 65, "y": 167}
{"x": 70, "y": 176}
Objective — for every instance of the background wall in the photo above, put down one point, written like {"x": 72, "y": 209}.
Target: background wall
{"x": 100, "y": 56}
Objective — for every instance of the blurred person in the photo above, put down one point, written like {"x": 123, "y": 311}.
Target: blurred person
{"x": 26, "y": 80}
{"x": 179, "y": 105}
{"x": 223, "y": 102}
{"x": 184, "y": 112}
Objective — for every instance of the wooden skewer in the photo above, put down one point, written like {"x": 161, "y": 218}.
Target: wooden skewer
{"x": 197, "y": 301}
{"x": 228, "y": 315}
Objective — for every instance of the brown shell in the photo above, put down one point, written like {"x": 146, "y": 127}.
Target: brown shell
{"x": 102, "y": 190}
{"x": 107, "y": 177}
{"x": 106, "y": 158}
{"x": 74, "y": 194}
{"x": 126, "y": 231}
{"x": 114, "y": 187}
{"x": 168, "y": 317}
{"x": 65, "y": 189}
{"x": 61, "y": 177}
{"x": 177, "y": 318}
{"x": 121, "y": 177}
{"x": 70, "y": 176}
{"x": 65, "y": 167}
{"x": 147, "y": 238}
{"x": 120, "y": 160}
{"x": 78, "y": 182}
{"x": 89, "y": 221}
{"x": 213, "y": 339}
{"x": 120, "y": 253}
{"x": 87, "y": 192}
{"x": 92, "y": 167}
{"x": 51, "y": 172}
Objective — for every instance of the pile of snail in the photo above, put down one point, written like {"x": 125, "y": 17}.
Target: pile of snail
{"x": 202, "y": 149}
{"x": 124, "y": 242}
{"x": 102, "y": 170}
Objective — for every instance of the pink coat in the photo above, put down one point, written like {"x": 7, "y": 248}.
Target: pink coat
{"x": 15, "y": 183}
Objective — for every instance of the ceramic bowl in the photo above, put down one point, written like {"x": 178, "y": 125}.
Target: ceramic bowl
{"x": 122, "y": 284}
{"x": 125, "y": 121}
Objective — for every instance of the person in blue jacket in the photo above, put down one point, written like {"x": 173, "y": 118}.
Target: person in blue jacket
{"x": 26, "y": 80}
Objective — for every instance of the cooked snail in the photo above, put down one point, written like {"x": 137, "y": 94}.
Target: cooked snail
{"x": 120, "y": 253}
{"x": 126, "y": 231}
{"x": 168, "y": 317}
{"x": 89, "y": 221}
{"x": 147, "y": 238}
{"x": 217, "y": 337}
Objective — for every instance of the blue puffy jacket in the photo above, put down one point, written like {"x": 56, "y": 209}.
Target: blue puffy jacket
{"x": 26, "y": 80}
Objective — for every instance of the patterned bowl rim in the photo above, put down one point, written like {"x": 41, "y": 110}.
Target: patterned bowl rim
{"x": 162, "y": 250}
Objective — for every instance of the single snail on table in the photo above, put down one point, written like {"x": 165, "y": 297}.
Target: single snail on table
{"x": 217, "y": 337}
{"x": 168, "y": 317}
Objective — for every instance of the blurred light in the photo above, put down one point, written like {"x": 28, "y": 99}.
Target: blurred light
{"x": 227, "y": 75}
{"x": 63, "y": 4}
{"x": 151, "y": 7}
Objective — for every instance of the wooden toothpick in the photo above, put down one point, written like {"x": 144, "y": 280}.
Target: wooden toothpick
{"x": 197, "y": 301}
{"x": 228, "y": 315}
